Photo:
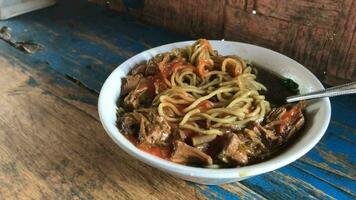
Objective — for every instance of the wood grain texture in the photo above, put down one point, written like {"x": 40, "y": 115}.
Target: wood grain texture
{"x": 50, "y": 150}
{"x": 78, "y": 174}
{"x": 80, "y": 51}
{"x": 319, "y": 34}
{"x": 307, "y": 45}
{"x": 306, "y": 31}
{"x": 318, "y": 13}
{"x": 188, "y": 17}
{"x": 198, "y": 15}
{"x": 342, "y": 60}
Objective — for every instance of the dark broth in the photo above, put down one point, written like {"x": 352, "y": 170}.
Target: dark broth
{"x": 277, "y": 91}
{"x": 276, "y": 94}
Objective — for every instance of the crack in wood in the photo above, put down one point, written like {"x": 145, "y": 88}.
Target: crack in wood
{"x": 81, "y": 84}
{"x": 24, "y": 46}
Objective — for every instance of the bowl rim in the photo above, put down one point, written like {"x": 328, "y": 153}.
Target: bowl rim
{"x": 228, "y": 173}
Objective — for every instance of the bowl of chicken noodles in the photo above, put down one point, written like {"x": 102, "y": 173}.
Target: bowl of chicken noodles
{"x": 212, "y": 112}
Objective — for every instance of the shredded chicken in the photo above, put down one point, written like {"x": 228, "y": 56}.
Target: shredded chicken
{"x": 154, "y": 130}
{"x": 234, "y": 151}
{"x": 150, "y": 127}
{"x": 185, "y": 154}
{"x": 132, "y": 100}
{"x": 130, "y": 83}
{"x": 286, "y": 120}
{"x": 268, "y": 135}
{"x": 261, "y": 141}
{"x": 140, "y": 69}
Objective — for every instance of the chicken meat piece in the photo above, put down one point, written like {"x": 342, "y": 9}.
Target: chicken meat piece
{"x": 132, "y": 100}
{"x": 242, "y": 147}
{"x": 286, "y": 120}
{"x": 234, "y": 151}
{"x": 147, "y": 125}
{"x": 185, "y": 154}
{"x": 130, "y": 83}
{"x": 139, "y": 69}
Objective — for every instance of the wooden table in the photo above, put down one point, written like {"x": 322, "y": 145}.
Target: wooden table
{"x": 52, "y": 145}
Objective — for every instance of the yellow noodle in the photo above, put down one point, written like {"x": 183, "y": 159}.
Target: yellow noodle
{"x": 215, "y": 119}
{"x": 161, "y": 112}
{"x": 186, "y": 117}
{"x": 193, "y": 105}
{"x": 236, "y": 99}
{"x": 171, "y": 106}
{"x": 165, "y": 98}
{"x": 201, "y": 131}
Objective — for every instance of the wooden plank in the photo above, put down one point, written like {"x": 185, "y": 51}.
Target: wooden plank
{"x": 55, "y": 85}
{"x": 318, "y": 13}
{"x": 48, "y": 152}
{"x": 343, "y": 110}
{"x": 319, "y": 34}
{"x": 339, "y": 183}
{"x": 342, "y": 59}
{"x": 82, "y": 29}
{"x": 50, "y": 81}
{"x": 333, "y": 153}
{"x": 41, "y": 82}
{"x": 277, "y": 185}
{"x": 240, "y": 190}
{"x": 310, "y": 46}
{"x": 43, "y": 76}
{"x": 242, "y": 26}
{"x": 195, "y": 20}
{"x": 60, "y": 58}
{"x": 228, "y": 191}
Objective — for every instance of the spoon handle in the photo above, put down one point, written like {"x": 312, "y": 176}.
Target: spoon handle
{"x": 348, "y": 88}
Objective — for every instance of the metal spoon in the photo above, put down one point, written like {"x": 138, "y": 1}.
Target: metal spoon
{"x": 348, "y": 88}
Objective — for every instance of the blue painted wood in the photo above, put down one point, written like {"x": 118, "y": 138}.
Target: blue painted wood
{"x": 71, "y": 30}
{"x": 85, "y": 42}
{"x": 213, "y": 192}
{"x": 344, "y": 110}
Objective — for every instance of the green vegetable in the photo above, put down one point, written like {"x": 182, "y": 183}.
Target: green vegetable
{"x": 291, "y": 85}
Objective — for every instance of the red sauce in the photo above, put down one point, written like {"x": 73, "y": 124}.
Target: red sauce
{"x": 168, "y": 68}
{"x": 162, "y": 152}
{"x": 287, "y": 117}
{"x": 205, "y": 105}
{"x": 151, "y": 84}
{"x": 132, "y": 139}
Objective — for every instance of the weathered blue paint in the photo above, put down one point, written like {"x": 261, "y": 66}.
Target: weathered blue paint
{"x": 76, "y": 36}
{"x": 344, "y": 110}
{"x": 85, "y": 42}
{"x": 214, "y": 192}
{"x": 23, "y": 61}
{"x": 32, "y": 82}
{"x": 335, "y": 182}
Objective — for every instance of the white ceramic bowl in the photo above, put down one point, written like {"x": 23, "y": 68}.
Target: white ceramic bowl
{"x": 317, "y": 113}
